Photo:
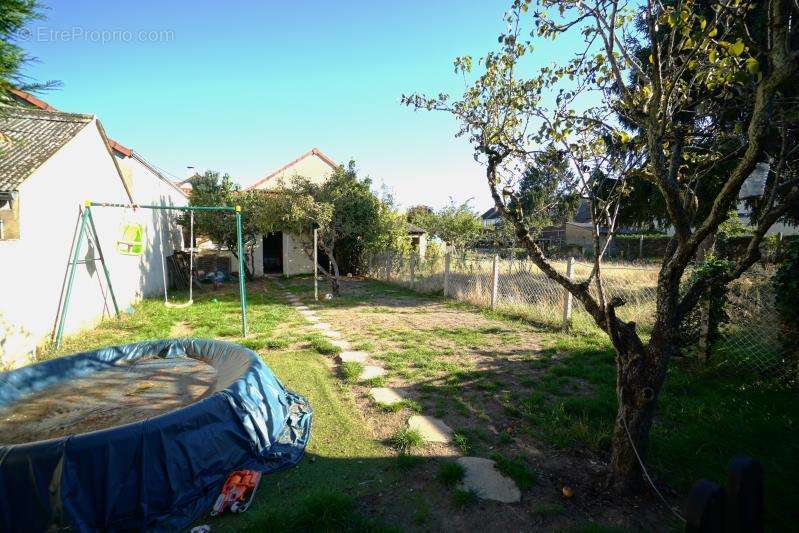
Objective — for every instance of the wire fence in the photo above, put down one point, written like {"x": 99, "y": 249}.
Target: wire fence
{"x": 750, "y": 341}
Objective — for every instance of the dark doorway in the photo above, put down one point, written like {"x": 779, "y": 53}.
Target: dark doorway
{"x": 273, "y": 253}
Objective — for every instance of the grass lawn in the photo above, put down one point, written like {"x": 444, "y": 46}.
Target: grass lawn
{"x": 546, "y": 399}
{"x": 541, "y": 404}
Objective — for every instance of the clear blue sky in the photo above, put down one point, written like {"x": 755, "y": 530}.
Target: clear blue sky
{"x": 245, "y": 87}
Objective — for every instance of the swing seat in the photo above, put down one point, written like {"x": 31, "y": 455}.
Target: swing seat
{"x": 178, "y": 306}
{"x": 132, "y": 239}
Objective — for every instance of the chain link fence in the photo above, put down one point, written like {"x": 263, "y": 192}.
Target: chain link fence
{"x": 750, "y": 341}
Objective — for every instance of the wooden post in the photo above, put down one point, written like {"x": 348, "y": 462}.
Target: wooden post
{"x": 447, "y": 257}
{"x": 388, "y": 265}
{"x": 315, "y": 266}
{"x": 495, "y": 282}
{"x": 567, "y": 304}
{"x": 412, "y": 260}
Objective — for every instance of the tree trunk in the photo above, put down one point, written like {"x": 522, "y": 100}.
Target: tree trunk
{"x": 639, "y": 379}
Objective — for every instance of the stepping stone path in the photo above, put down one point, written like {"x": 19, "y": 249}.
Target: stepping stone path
{"x": 385, "y": 396}
{"x": 482, "y": 476}
{"x": 371, "y": 372}
{"x": 340, "y": 343}
{"x": 352, "y": 357}
{"x": 431, "y": 429}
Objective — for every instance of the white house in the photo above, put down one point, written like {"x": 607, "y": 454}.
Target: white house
{"x": 50, "y": 164}
{"x": 280, "y": 252}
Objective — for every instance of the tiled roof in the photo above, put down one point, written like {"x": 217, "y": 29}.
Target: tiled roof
{"x": 31, "y": 137}
{"x": 490, "y": 214}
{"x": 27, "y": 99}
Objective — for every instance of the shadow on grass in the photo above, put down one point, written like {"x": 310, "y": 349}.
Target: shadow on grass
{"x": 565, "y": 397}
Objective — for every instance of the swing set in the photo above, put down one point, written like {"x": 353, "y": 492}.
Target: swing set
{"x": 132, "y": 243}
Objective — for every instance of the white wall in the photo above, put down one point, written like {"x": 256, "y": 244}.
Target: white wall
{"x": 33, "y": 267}
{"x": 162, "y": 232}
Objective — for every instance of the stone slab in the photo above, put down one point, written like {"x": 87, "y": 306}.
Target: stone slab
{"x": 482, "y": 476}
{"x": 350, "y": 356}
{"x": 431, "y": 429}
{"x": 371, "y": 372}
{"x": 340, "y": 343}
{"x": 331, "y": 334}
{"x": 385, "y": 396}
{"x": 323, "y": 326}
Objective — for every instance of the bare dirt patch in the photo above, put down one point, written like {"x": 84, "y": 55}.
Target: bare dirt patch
{"x": 121, "y": 394}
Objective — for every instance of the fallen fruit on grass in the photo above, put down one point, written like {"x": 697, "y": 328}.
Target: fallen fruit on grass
{"x": 567, "y": 492}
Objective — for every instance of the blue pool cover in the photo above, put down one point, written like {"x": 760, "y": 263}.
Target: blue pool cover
{"x": 161, "y": 473}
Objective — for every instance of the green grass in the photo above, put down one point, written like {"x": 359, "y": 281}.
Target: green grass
{"x": 341, "y": 458}
{"x": 450, "y": 473}
{"x": 516, "y": 469}
{"x": 549, "y": 509}
{"x": 350, "y": 371}
{"x": 461, "y": 440}
{"x": 324, "y": 346}
{"x": 405, "y": 440}
{"x": 399, "y": 406}
{"x": 465, "y": 498}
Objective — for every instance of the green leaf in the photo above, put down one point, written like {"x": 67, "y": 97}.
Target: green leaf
{"x": 737, "y": 48}
{"x": 752, "y": 66}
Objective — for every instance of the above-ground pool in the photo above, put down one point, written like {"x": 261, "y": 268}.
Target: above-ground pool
{"x": 140, "y": 436}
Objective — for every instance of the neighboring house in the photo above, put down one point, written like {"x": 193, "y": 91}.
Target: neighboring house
{"x": 418, "y": 238}
{"x": 279, "y": 252}
{"x": 753, "y": 188}
{"x": 50, "y": 164}
{"x": 491, "y": 218}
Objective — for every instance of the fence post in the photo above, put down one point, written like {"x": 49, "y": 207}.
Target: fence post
{"x": 388, "y": 265}
{"x": 567, "y": 304}
{"x": 446, "y": 271}
{"x": 495, "y": 282}
{"x": 640, "y": 248}
{"x": 413, "y": 269}
{"x": 315, "y": 265}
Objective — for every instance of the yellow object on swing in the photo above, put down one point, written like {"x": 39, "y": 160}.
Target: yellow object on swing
{"x": 132, "y": 239}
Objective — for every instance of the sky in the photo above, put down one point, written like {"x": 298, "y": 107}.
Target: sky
{"x": 244, "y": 87}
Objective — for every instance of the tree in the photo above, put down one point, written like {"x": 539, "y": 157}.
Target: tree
{"x": 349, "y": 218}
{"x": 456, "y": 224}
{"x": 14, "y": 15}
{"x": 214, "y": 189}
{"x": 542, "y": 198}
{"x": 418, "y": 212}
{"x": 664, "y": 93}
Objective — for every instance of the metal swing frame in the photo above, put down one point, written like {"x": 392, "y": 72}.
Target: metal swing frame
{"x": 190, "y": 301}
{"x": 86, "y": 227}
